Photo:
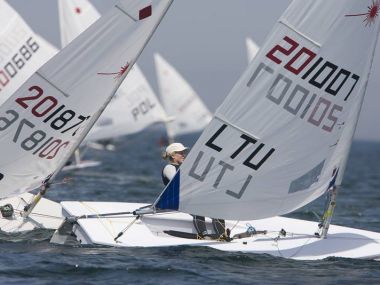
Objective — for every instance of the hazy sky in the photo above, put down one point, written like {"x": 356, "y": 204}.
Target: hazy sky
{"x": 205, "y": 41}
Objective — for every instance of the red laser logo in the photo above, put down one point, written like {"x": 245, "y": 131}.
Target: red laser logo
{"x": 371, "y": 14}
{"x": 119, "y": 74}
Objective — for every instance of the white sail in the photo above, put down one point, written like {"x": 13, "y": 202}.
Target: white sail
{"x": 180, "y": 101}
{"x": 135, "y": 106}
{"x": 75, "y": 16}
{"x": 273, "y": 145}
{"x": 48, "y": 116}
{"x": 22, "y": 51}
{"x": 252, "y": 49}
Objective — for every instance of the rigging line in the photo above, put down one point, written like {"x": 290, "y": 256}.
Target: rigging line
{"x": 237, "y": 222}
{"x": 111, "y": 231}
{"x": 117, "y": 6}
{"x": 292, "y": 255}
{"x": 52, "y": 84}
{"x": 290, "y": 26}
{"x": 40, "y": 215}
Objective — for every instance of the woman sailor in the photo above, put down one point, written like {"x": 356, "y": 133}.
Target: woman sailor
{"x": 175, "y": 153}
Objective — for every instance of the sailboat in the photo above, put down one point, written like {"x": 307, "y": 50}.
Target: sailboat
{"x": 22, "y": 52}
{"x": 252, "y": 49}
{"x": 134, "y": 106}
{"x": 46, "y": 119}
{"x": 279, "y": 141}
{"x": 180, "y": 101}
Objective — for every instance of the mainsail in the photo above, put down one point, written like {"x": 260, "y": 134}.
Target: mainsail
{"x": 282, "y": 135}
{"x": 252, "y": 49}
{"x": 134, "y": 106}
{"x": 48, "y": 116}
{"x": 22, "y": 51}
{"x": 180, "y": 101}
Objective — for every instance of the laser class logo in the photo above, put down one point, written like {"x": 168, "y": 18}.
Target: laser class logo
{"x": 119, "y": 74}
{"x": 371, "y": 14}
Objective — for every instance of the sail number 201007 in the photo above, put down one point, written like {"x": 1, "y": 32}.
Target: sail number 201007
{"x": 313, "y": 89}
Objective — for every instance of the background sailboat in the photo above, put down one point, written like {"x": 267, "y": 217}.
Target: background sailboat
{"x": 46, "y": 119}
{"x": 180, "y": 101}
{"x": 134, "y": 107}
{"x": 276, "y": 143}
{"x": 22, "y": 51}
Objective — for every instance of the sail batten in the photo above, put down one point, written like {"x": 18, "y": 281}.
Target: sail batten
{"x": 294, "y": 29}
{"x": 290, "y": 116}
{"x": 229, "y": 123}
{"x": 52, "y": 84}
{"x": 124, "y": 12}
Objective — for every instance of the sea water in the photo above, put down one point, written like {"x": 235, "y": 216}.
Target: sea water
{"x": 133, "y": 173}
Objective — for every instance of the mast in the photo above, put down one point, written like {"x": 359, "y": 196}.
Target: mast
{"x": 346, "y": 143}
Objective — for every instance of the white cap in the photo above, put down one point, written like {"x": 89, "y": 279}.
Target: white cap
{"x": 174, "y": 147}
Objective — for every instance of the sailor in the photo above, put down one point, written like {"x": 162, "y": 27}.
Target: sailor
{"x": 175, "y": 153}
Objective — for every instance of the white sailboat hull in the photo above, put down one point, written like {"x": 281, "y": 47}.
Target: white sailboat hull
{"x": 46, "y": 215}
{"x": 299, "y": 242}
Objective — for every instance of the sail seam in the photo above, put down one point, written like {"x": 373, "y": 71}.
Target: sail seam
{"x": 125, "y": 13}
{"x": 52, "y": 84}
{"x": 224, "y": 120}
{"x": 287, "y": 24}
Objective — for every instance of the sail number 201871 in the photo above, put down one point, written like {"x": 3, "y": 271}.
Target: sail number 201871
{"x": 47, "y": 108}
{"x": 59, "y": 118}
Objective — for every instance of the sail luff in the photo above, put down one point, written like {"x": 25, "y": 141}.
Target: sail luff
{"x": 348, "y": 134}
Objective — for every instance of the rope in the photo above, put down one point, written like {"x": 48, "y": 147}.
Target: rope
{"x": 39, "y": 214}
{"x": 111, "y": 231}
